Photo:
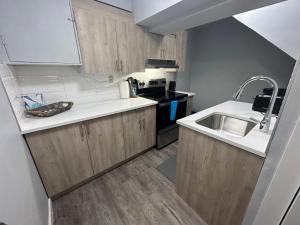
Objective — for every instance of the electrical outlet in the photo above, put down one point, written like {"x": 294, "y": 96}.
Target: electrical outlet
{"x": 110, "y": 78}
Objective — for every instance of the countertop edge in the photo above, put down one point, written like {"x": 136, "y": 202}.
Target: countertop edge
{"x": 190, "y": 94}
{"x": 253, "y": 151}
{"x": 27, "y": 131}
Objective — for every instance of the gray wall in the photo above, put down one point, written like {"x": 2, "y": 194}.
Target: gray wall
{"x": 226, "y": 53}
{"x": 23, "y": 200}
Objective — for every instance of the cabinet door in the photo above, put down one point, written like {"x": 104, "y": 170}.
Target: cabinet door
{"x": 181, "y": 48}
{"x": 123, "y": 42}
{"x": 97, "y": 37}
{"x": 153, "y": 46}
{"x": 189, "y": 106}
{"x": 169, "y": 47}
{"x": 130, "y": 41}
{"x": 149, "y": 127}
{"x": 106, "y": 142}
{"x": 62, "y": 156}
{"x": 139, "y": 130}
{"x": 38, "y": 32}
{"x": 137, "y": 54}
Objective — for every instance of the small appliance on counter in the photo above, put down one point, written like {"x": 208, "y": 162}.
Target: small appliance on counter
{"x": 261, "y": 102}
{"x": 133, "y": 86}
{"x": 124, "y": 89}
{"x": 171, "y": 107}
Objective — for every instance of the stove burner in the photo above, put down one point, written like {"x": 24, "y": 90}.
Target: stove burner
{"x": 162, "y": 97}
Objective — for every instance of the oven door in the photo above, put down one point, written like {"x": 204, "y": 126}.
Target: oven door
{"x": 163, "y": 113}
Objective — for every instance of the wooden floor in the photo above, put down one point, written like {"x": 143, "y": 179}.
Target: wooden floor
{"x": 133, "y": 194}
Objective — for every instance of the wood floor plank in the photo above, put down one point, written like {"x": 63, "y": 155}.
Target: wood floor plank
{"x": 133, "y": 194}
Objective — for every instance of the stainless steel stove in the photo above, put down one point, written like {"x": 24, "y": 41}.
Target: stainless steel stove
{"x": 166, "y": 128}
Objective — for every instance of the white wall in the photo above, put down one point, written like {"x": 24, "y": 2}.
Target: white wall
{"x": 143, "y": 9}
{"x": 171, "y": 16}
{"x": 279, "y": 24}
{"x": 122, "y": 4}
{"x": 23, "y": 200}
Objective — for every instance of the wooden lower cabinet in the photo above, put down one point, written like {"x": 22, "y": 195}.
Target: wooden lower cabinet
{"x": 216, "y": 179}
{"x": 61, "y": 156}
{"x": 106, "y": 142}
{"x": 139, "y": 130}
{"x": 68, "y": 155}
{"x": 189, "y": 106}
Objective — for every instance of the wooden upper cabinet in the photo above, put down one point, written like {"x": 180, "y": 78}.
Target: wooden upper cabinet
{"x": 172, "y": 47}
{"x": 139, "y": 130}
{"x": 181, "y": 49}
{"x": 106, "y": 142}
{"x": 153, "y": 46}
{"x": 97, "y": 37}
{"x": 130, "y": 42}
{"x": 110, "y": 42}
{"x": 169, "y": 47}
{"x": 137, "y": 54}
{"x": 61, "y": 156}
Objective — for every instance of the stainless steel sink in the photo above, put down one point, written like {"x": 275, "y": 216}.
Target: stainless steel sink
{"x": 227, "y": 124}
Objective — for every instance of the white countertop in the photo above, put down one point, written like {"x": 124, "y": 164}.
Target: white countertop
{"x": 82, "y": 112}
{"x": 188, "y": 93}
{"x": 255, "y": 141}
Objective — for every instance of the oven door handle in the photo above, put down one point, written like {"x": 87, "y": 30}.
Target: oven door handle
{"x": 160, "y": 105}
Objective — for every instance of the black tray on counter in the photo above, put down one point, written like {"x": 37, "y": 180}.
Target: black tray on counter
{"x": 50, "y": 110}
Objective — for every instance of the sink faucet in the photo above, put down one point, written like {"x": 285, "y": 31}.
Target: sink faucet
{"x": 266, "y": 121}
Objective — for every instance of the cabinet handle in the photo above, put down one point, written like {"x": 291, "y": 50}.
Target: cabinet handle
{"x": 140, "y": 125}
{"x": 71, "y": 19}
{"x": 81, "y": 132}
{"x": 144, "y": 122}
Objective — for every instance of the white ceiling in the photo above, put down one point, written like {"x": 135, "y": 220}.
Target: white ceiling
{"x": 279, "y": 23}
{"x": 186, "y": 14}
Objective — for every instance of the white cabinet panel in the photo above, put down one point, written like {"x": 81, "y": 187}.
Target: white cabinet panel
{"x": 38, "y": 31}
{"x": 293, "y": 217}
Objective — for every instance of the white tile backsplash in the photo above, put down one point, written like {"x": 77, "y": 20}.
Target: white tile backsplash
{"x": 12, "y": 89}
{"x": 66, "y": 83}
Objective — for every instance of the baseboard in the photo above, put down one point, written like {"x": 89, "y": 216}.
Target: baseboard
{"x": 50, "y": 212}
